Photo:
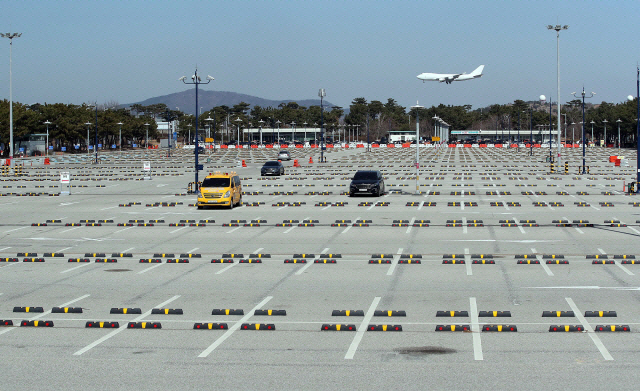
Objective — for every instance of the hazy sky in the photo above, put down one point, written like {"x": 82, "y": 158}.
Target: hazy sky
{"x": 127, "y": 51}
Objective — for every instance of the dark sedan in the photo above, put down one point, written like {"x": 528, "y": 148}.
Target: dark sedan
{"x": 367, "y": 182}
{"x": 272, "y": 168}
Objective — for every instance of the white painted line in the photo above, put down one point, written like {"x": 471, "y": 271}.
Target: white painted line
{"x": 394, "y": 262}
{"x": 594, "y": 337}
{"x": 475, "y": 329}
{"x": 305, "y": 267}
{"x": 76, "y": 267}
{"x": 601, "y": 251}
{"x": 118, "y": 330}
{"x": 233, "y": 328}
{"x": 226, "y": 268}
{"x": 542, "y": 263}
{"x": 122, "y": 230}
{"x": 634, "y": 230}
{"x": 62, "y": 249}
{"x": 579, "y": 231}
{"x": 464, "y": 226}
{"x": 413, "y": 219}
{"x": 70, "y": 229}
{"x": 361, "y": 329}
{"x": 194, "y": 249}
{"x": 111, "y": 207}
{"x": 149, "y": 268}
{"x": 9, "y": 264}
{"x": 179, "y": 229}
{"x": 129, "y": 249}
{"x": 5, "y": 248}
{"x": 624, "y": 269}
{"x": 467, "y": 262}
{"x": 289, "y": 229}
{"x": 16, "y": 229}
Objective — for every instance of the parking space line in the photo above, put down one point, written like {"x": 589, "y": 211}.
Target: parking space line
{"x": 111, "y": 207}
{"x": 9, "y": 264}
{"x": 127, "y": 250}
{"x": 16, "y": 229}
{"x": 233, "y": 328}
{"x": 349, "y": 227}
{"x": 634, "y": 230}
{"x": 74, "y": 268}
{"x": 394, "y": 263}
{"x": 175, "y": 230}
{"x": 5, "y": 248}
{"x": 226, "y": 268}
{"x": 624, "y": 269}
{"x": 62, "y": 249}
{"x": 579, "y": 231}
{"x": 464, "y": 226}
{"x": 149, "y": 268}
{"x": 70, "y": 229}
{"x": 361, "y": 329}
{"x": 594, "y": 337}
{"x": 467, "y": 261}
{"x": 118, "y": 330}
{"x": 475, "y": 329}
{"x": 544, "y": 265}
{"x": 413, "y": 219}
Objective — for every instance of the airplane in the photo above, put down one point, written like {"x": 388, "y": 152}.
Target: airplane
{"x": 448, "y": 78}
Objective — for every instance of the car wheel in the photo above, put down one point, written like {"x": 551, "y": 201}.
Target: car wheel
{"x": 240, "y": 201}
{"x": 231, "y": 204}
{"x": 200, "y": 207}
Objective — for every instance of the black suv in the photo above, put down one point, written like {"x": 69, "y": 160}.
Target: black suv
{"x": 364, "y": 182}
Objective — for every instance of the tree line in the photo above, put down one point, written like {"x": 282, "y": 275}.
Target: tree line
{"x": 68, "y": 126}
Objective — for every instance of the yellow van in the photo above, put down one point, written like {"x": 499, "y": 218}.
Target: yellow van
{"x": 220, "y": 189}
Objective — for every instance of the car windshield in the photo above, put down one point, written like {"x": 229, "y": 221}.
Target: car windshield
{"x": 271, "y": 164}
{"x": 284, "y": 153}
{"x": 368, "y": 175}
{"x": 216, "y": 182}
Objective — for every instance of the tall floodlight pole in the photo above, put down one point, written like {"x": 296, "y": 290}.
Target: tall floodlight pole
{"x": 293, "y": 129}
{"x": 605, "y": 131}
{"x": 584, "y": 171}
{"x": 530, "y": 131}
{"x": 49, "y": 123}
{"x": 618, "y": 121}
{"x": 638, "y": 128}
{"x": 592, "y": 122}
{"x": 322, "y": 93}
{"x": 261, "y": 122}
{"x": 11, "y": 36}
{"x": 573, "y": 135}
{"x": 146, "y": 138}
{"x": 209, "y": 119}
{"x": 96, "y": 138}
{"x": 557, "y": 28}
{"x": 195, "y": 79}
{"x": 120, "y": 136}
{"x": 305, "y": 132}
{"x": 88, "y": 139}
{"x": 278, "y": 123}
{"x": 238, "y": 121}
{"x": 417, "y": 107}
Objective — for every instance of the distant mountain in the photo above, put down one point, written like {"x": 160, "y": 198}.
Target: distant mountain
{"x": 186, "y": 100}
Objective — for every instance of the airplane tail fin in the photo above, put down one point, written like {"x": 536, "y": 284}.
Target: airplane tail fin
{"x": 477, "y": 71}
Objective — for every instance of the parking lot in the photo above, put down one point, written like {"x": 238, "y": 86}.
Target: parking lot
{"x": 488, "y": 270}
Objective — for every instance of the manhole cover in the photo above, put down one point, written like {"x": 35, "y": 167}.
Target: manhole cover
{"x": 118, "y": 270}
{"x": 425, "y": 350}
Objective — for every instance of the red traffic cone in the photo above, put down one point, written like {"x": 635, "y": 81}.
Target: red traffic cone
{"x": 243, "y": 163}
{"x": 295, "y": 163}
{"x": 310, "y": 160}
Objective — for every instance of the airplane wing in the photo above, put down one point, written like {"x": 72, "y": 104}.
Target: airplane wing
{"x": 449, "y": 78}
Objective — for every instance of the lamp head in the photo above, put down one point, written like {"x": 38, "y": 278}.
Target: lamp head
{"x": 209, "y": 77}
{"x": 119, "y": 123}
{"x": 630, "y": 98}
{"x": 543, "y": 98}
{"x": 193, "y": 77}
{"x": 183, "y": 78}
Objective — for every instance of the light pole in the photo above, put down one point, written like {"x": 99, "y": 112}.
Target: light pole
{"x": 293, "y": 129}
{"x": 49, "y": 123}
{"x": 261, "y": 122}
{"x": 565, "y": 127}
{"x": 189, "y": 126}
{"x": 573, "y": 136}
{"x": 305, "y": 133}
{"x": 146, "y": 139}
{"x": 120, "y": 136}
{"x": 638, "y": 128}
{"x": 195, "y": 79}
{"x": 208, "y": 119}
{"x": 557, "y": 28}
{"x": 322, "y": 93}
{"x": 417, "y": 107}
{"x": 605, "y": 132}
{"x": 592, "y": 130}
{"x": 618, "y": 121}
{"x": 238, "y": 121}
{"x": 88, "y": 139}
{"x": 583, "y": 130}
{"x": 542, "y": 100}
{"x": 11, "y": 36}
{"x": 278, "y": 123}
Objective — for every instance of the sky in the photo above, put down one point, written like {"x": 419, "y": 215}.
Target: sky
{"x": 128, "y": 50}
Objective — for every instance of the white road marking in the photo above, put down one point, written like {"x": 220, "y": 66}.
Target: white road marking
{"x": 149, "y": 268}
{"x": 596, "y": 340}
{"x": 464, "y": 226}
{"x": 413, "y": 219}
{"x": 394, "y": 262}
{"x": 76, "y": 267}
{"x": 233, "y": 328}
{"x": 179, "y": 229}
{"x": 361, "y": 329}
{"x": 16, "y": 229}
{"x": 579, "y": 231}
{"x": 5, "y": 248}
{"x": 70, "y": 229}
{"x": 475, "y": 329}
{"x": 118, "y": 330}
{"x": 467, "y": 262}
{"x": 122, "y": 230}
{"x": 68, "y": 203}
{"x": 62, "y": 249}
{"x": 544, "y": 265}
{"x": 111, "y": 207}
{"x": 226, "y": 268}
{"x": 9, "y": 264}
{"x": 194, "y": 249}
{"x": 634, "y": 230}
{"x": 129, "y": 249}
